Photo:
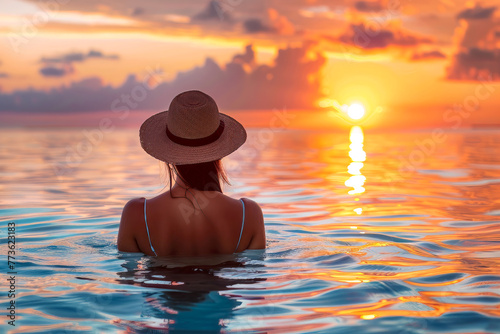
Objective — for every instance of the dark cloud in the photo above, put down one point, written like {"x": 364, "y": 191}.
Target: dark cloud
{"x": 247, "y": 58}
{"x": 88, "y": 94}
{"x": 478, "y": 53}
{"x": 99, "y": 54}
{"x": 474, "y": 64}
{"x": 52, "y": 71}
{"x": 293, "y": 81}
{"x": 363, "y": 36}
{"x": 368, "y": 6}
{"x": 428, "y": 55}
{"x": 215, "y": 10}
{"x": 137, "y": 11}
{"x": 256, "y": 26}
{"x": 477, "y": 13}
{"x": 77, "y": 57}
{"x": 274, "y": 23}
{"x": 62, "y": 65}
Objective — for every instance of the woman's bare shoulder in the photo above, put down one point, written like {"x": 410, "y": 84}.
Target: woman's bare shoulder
{"x": 133, "y": 205}
{"x": 131, "y": 212}
{"x": 126, "y": 233}
{"x": 252, "y": 205}
{"x": 254, "y": 219}
{"x": 253, "y": 213}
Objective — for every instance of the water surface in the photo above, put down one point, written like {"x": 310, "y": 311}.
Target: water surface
{"x": 381, "y": 233}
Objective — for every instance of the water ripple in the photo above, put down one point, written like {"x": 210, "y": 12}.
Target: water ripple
{"x": 414, "y": 252}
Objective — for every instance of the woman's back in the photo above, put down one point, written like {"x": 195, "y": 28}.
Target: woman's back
{"x": 177, "y": 226}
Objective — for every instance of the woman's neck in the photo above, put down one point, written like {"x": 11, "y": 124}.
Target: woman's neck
{"x": 179, "y": 183}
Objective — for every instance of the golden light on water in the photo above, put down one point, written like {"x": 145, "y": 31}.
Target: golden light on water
{"x": 358, "y": 156}
{"x": 356, "y": 137}
{"x": 356, "y": 111}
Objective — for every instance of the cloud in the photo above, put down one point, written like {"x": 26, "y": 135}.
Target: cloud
{"x": 202, "y": 18}
{"x": 477, "y": 54}
{"x": 293, "y": 81}
{"x": 215, "y": 10}
{"x": 428, "y": 55}
{"x": 368, "y": 6}
{"x": 477, "y": 13}
{"x": 280, "y": 23}
{"x": 363, "y": 36}
{"x": 276, "y": 23}
{"x": 62, "y": 65}
{"x": 137, "y": 11}
{"x": 51, "y": 71}
{"x": 475, "y": 64}
{"x": 77, "y": 57}
{"x": 247, "y": 58}
{"x": 88, "y": 94}
{"x": 253, "y": 26}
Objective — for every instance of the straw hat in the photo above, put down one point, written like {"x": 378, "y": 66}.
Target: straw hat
{"x": 191, "y": 131}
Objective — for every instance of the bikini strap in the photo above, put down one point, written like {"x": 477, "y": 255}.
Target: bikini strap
{"x": 147, "y": 229}
{"x": 242, "y": 225}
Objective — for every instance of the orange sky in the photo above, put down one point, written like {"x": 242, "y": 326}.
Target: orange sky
{"x": 415, "y": 61}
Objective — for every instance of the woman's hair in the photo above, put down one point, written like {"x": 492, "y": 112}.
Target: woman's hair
{"x": 201, "y": 176}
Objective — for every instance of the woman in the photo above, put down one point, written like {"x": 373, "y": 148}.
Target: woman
{"x": 194, "y": 217}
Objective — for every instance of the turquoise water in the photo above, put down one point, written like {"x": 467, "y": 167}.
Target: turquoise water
{"x": 390, "y": 233}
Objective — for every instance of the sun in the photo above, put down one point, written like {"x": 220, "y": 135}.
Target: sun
{"x": 356, "y": 111}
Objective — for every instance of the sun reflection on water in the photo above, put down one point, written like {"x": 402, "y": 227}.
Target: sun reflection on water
{"x": 358, "y": 156}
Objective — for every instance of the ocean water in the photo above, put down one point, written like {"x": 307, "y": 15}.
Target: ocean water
{"x": 367, "y": 233}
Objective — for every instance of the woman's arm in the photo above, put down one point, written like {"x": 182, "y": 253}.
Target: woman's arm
{"x": 126, "y": 240}
{"x": 258, "y": 240}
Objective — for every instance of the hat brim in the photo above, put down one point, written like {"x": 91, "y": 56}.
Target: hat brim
{"x": 155, "y": 142}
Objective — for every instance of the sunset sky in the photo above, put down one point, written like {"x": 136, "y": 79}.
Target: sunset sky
{"x": 422, "y": 63}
